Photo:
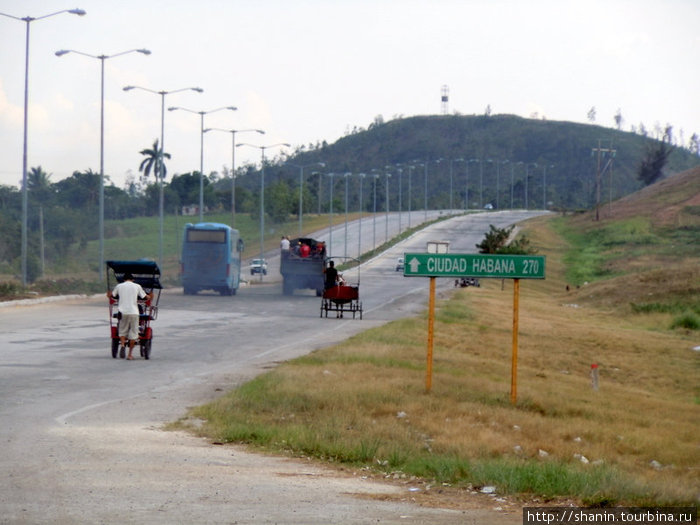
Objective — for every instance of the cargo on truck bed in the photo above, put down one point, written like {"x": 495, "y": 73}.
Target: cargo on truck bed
{"x": 302, "y": 265}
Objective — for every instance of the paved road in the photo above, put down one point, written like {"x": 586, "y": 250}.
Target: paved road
{"x": 81, "y": 433}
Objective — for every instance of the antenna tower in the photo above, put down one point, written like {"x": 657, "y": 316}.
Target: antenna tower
{"x": 445, "y": 99}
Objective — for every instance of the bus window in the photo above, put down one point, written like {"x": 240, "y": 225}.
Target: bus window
{"x": 206, "y": 236}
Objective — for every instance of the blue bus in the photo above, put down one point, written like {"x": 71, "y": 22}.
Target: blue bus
{"x": 211, "y": 258}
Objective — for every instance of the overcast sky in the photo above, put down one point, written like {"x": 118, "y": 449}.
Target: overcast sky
{"x": 310, "y": 70}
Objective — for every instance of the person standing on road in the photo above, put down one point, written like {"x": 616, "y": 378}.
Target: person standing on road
{"x": 284, "y": 243}
{"x": 128, "y": 292}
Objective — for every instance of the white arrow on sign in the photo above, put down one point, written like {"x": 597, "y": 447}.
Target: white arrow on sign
{"x": 414, "y": 264}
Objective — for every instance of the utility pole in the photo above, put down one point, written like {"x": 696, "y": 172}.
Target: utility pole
{"x": 601, "y": 152}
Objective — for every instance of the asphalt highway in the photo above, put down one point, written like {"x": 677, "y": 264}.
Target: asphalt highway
{"x": 81, "y": 434}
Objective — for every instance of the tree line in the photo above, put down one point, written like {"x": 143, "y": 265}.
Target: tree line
{"x": 500, "y": 161}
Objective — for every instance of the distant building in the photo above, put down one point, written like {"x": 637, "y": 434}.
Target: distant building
{"x": 192, "y": 209}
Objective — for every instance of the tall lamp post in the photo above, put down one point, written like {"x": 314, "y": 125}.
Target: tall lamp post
{"x": 411, "y": 167}
{"x": 425, "y": 189}
{"x": 301, "y": 190}
{"x": 527, "y": 177}
{"x": 466, "y": 193}
{"x": 495, "y": 163}
{"x": 498, "y": 175}
{"x": 387, "y": 175}
{"x": 544, "y": 186}
{"x": 28, "y": 20}
{"x": 160, "y": 171}
{"x": 102, "y": 59}
{"x": 346, "y": 176}
{"x": 399, "y": 171}
{"x": 233, "y": 165}
{"x": 375, "y": 176}
{"x": 359, "y": 237}
{"x": 481, "y": 185}
{"x": 201, "y": 149}
{"x": 452, "y": 161}
{"x": 262, "y": 193}
{"x": 330, "y": 212}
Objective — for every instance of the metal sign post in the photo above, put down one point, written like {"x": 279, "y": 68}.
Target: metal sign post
{"x": 431, "y": 324}
{"x": 514, "y": 358}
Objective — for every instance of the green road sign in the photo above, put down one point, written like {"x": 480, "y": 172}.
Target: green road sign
{"x": 473, "y": 265}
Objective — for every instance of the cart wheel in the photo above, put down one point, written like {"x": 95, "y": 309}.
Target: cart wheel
{"x": 115, "y": 348}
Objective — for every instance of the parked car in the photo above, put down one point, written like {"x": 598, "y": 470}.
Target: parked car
{"x": 258, "y": 266}
{"x": 399, "y": 264}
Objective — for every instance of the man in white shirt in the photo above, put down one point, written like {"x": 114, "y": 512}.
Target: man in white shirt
{"x": 128, "y": 292}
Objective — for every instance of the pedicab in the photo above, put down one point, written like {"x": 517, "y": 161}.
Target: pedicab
{"x": 344, "y": 296}
{"x": 147, "y": 274}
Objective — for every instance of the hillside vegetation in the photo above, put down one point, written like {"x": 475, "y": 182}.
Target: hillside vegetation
{"x": 643, "y": 255}
{"x": 633, "y": 440}
{"x": 486, "y": 154}
{"x": 500, "y": 161}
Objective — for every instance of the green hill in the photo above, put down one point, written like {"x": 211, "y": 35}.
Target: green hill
{"x": 503, "y": 145}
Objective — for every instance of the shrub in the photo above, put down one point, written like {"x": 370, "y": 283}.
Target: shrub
{"x": 9, "y": 289}
{"x": 688, "y": 320}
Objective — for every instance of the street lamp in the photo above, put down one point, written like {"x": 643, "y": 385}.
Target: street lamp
{"x": 28, "y": 20}
{"x": 498, "y": 176}
{"x": 375, "y": 176}
{"x": 387, "y": 175}
{"x": 160, "y": 172}
{"x": 201, "y": 149}
{"x": 527, "y": 176}
{"x": 466, "y": 193}
{"x": 452, "y": 161}
{"x": 102, "y": 59}
{"x": 318, "y": 198}
{"x": 359, "y": 238}
{"x": 481, "y": 185}
{"x": 233, "y": 165}
{"x": 330, "y": 212}
{"x": 301, "y": 189}
{"x": 544, "y": 186}
{"x": 425, "y": 190}
{"x": 346, "y": 176}
{"x": 512, "y": 169}
{"x": 262, "y": 192}
{"x": 399, "y": 170}
{"x": 495, "y": 163}
{"x": 411, "y": 167}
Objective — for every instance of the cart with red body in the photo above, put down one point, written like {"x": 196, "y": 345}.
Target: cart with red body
{"x": 344, "y": 296}
{"x": 147, "y": 274}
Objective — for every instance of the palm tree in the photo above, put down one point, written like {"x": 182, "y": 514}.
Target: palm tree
{"x": 153, "y": 156}
{"x": 40, "y": 185}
